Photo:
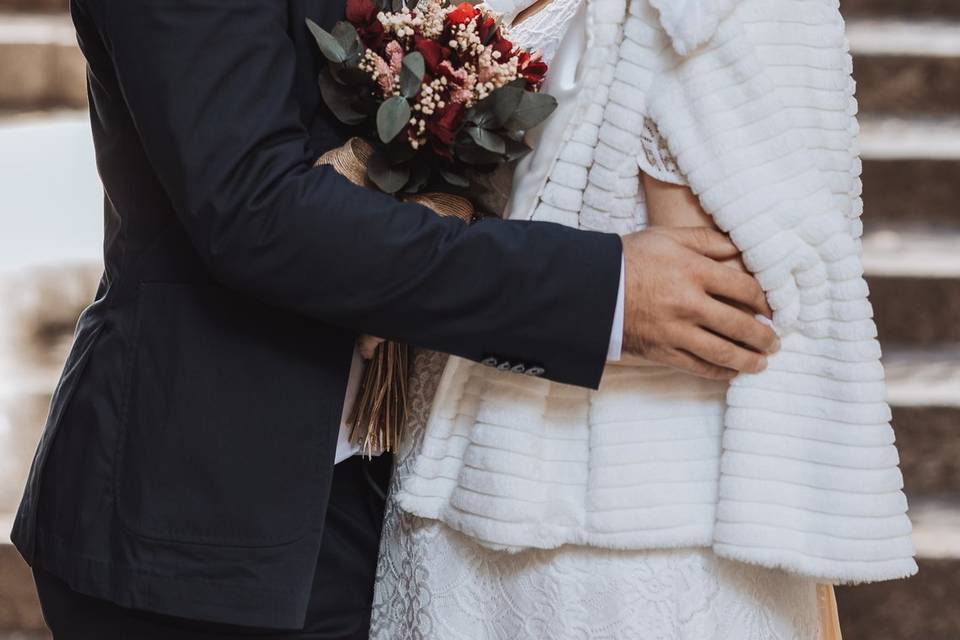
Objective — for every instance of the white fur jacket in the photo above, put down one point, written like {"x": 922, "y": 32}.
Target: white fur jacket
{"x": 794, "y": 467}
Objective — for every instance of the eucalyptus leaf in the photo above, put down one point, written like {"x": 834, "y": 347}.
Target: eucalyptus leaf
{"x": 339, "y": 100}
{"x": 482, "y": 114}
{"x": 419, "y": 175}
{"x": 411, "y": 74}
{"x": 398, "y": 152}
{"x": 516, "y": 149}
{"x": 487, "y": 139}
{"x": 505, "y": 101}
{"x": 329, "y": 46}
{"x": 392, "y": 116}
{"x": 471, "y": 153}
{"x": 388, "y": 177}
{"x": 348, "y": 38}
{"x": 454, "y": 179}
{"x": 534, "y": 108}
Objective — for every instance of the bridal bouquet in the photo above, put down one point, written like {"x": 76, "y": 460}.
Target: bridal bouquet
{"x": 436, "y": 91}
{"x": 439, "y": 89}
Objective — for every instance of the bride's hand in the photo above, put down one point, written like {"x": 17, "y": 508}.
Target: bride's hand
{"x": 672, "y": 205}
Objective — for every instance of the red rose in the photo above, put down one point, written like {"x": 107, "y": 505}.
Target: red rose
{"x": 361, "y": 12}
{"x": 464, "y": 12}
{"x": 504, "y": 46}
{"x": 372, "y": 35}
{"x": 431, "y": 50}
{"x": 485, "y": 28}
{"x": 534, "y": 72}
{"x": 443, "y": 130}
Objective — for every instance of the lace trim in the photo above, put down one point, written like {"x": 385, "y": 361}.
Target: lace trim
{"x": 656, "y": 160}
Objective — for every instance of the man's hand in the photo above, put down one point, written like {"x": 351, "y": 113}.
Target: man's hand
{"x": 685, "y": 309}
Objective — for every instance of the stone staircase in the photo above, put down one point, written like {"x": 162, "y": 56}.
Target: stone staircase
{"x": 907, "y": 64}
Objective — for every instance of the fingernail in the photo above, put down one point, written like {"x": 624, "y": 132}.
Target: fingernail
{"x": 776, "y": 346}
{"x": 763, "y": 365}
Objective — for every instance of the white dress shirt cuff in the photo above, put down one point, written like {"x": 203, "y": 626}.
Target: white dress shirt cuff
{"x": 616, "y": 332}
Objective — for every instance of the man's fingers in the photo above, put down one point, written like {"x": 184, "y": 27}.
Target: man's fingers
{"x": 688, "y": 363}
{"x": 736, "y": 286}
{"x": 734, "y": 324}
{"x": 707, "y": 242}
{"x": 724, "y": 353}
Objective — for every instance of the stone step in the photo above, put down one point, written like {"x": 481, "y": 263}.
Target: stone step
{"x": 31, "y": 6}
{"x": 906, "y": 68}
{"x": 914, "y": 277}
{"x": 40, "y": 63}
{"x": 901, "y": 8}
{"x": 911, "y": 170}
{"x": 923, "y": 388}
{"x": 921, "y": 607}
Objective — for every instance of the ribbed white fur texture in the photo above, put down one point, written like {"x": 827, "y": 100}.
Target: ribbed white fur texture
{"x": 795, "y": 467}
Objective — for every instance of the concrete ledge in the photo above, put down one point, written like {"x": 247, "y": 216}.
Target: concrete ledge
{"x": 923, "y": 607}
{"x": 40, "y": 63}
{"x": 918, "y": 9}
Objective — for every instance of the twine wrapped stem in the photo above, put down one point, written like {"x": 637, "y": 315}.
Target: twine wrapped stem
{"x": 380, "y": 410}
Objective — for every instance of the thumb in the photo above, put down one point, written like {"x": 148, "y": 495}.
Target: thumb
{"x": 707, "y": 242}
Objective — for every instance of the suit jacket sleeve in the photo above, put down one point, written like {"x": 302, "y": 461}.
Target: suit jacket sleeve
{"x": 209, "y": 86}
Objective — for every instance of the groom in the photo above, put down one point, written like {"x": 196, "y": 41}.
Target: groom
{"x": 185, "y": 484}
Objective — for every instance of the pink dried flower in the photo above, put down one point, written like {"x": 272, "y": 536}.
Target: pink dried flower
{"x": 395, "y": 51}
{"x": 384, "y": 75}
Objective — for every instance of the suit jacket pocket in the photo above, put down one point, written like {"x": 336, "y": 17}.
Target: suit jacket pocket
{"x": 223, "y": 439}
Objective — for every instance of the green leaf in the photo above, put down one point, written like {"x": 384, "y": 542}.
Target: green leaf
{"x": 533, "y": 109}
{"x": 388, "y": 177}
{"x": 487, "y": 139}
{"x": 454, "y": 179}
{"x": 471, "y": 153}
{"x": 338, "y": 100}
{"x": 398, "y": 152}
{"x": 329, "y": 47}
{"x": 516, "y": 149}
{"x": 419, "y": 174}
{"x": 505, "y": 101}
{"x": 348, "y": 38}
{"x": 411, "y": 74}
{"x": 392, "y": 117}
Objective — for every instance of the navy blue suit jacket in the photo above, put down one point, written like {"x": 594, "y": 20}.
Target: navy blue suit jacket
{"x": 186, "y": 462}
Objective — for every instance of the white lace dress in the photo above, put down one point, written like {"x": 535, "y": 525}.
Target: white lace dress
{"x": 436, "y": 583}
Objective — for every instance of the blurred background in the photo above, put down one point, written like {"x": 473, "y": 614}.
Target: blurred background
{"x": 907, "y": 66}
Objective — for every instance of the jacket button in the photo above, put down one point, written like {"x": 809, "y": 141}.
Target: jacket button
{"x": 503, "y": 366}
{"x": 519, "y": 368}
{"x": 489, "y": 362}
{"x": 536, "y": 371}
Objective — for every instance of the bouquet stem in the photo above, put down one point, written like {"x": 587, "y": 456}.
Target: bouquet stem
{"x": 380, "y": 411}
{"x": 381, "y": 408}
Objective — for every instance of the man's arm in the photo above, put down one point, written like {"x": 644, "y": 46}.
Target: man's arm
{"x": 209, "y": 85}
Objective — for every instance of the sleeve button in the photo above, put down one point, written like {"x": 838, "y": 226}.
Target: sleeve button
{"x": 536, "y": 371}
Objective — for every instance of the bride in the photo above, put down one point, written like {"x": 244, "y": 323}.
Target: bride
{"x": 661, "y": 505}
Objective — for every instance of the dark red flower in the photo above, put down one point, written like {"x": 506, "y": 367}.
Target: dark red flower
{"x": 431, "y": 50}
{"x": 361, "y": 12}
{"x": 534, "y": 72}
{"x": 485, "y": 28}
{"x": 443, "y": 129}
{"x": 502, "y": 45}
{"x": 465, "y": 12}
